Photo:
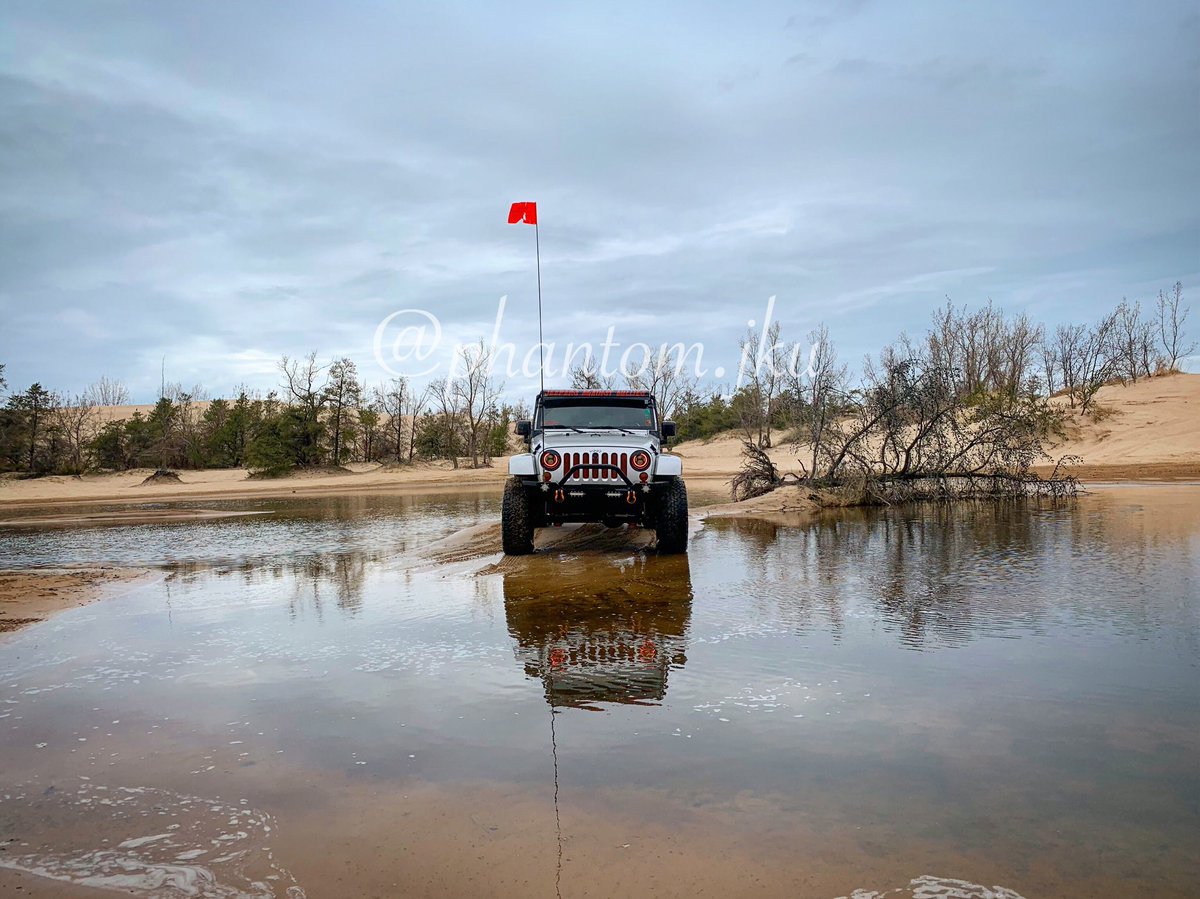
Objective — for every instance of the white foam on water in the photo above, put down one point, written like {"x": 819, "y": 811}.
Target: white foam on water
{"x": 928, "y": 886}
{"x": 785, "y": 695}
{"x": 142, "y": 841}
{"x": 426, "y": 657}
{"x": 159, "y": 836}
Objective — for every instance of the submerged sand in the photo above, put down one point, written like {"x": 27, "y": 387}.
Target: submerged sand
{"x": 30, "y": 595}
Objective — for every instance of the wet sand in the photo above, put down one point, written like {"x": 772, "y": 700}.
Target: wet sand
{"x": 24, "y": 884}
{"x": 788, "y": 505}
{"x": 481, "y": 541}
{"x": 1129, "y": 472}
{"x": 370, "y": 834}
{"x": 30, "y": 595}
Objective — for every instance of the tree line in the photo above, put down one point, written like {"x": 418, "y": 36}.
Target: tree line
{"x": 322, "y": 415}
{"x": 986, "y": 354}
{"x": 919, "y": 405}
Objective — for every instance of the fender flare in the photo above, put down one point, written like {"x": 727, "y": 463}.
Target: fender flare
{"x": 522, "y": 465}
{"x": 669, "y": 466}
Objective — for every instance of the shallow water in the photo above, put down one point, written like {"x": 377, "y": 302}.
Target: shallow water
{"x": 984, "y": 702}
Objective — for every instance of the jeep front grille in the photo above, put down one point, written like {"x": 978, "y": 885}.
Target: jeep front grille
{"x": 595, "y": 475}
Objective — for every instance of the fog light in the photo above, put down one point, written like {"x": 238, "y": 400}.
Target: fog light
{"x": 645, "y": 477}
{"x": 546, "y": 476}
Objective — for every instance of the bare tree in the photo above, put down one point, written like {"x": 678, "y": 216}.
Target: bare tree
{"x": 412, "y": 409}
{"x": 944, "y": 339}
{"x": 301, "y": 378}
{"x": 174, "y": 391}
{"x": 665, "y": 380}
{"x": 74, "y": 419}
{"x": 1067, "y": 342}
{"x": 971, "y": 351}
{"x": 305, "y": 386}
{"x": 1048, "y": 351}
{"x": 987, "y": 352}
{"x": 392, "y": 398}
{"x": 1171, "y": 316}
{"x": 586, "y": 375}
{"x": 765, "y": 378}
{"x": 1087, "y": 358}
{"x": 771, "y": 377}
{"x": 448, "y": 415}
{"x": 820, "y": 391}
{"x": 107, "y": 392}
{"x": 475, "y": 394}
{"x": 1020, "y": 340}
{"x": 1133, "y": 343}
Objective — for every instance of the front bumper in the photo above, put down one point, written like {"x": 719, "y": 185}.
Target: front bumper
{"x": 562, "y": 502}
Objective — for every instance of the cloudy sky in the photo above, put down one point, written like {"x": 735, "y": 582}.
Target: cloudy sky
{"x": 222, "y": 183}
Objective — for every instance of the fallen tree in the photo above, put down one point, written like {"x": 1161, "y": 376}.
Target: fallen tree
{"x": 910, "y": 433}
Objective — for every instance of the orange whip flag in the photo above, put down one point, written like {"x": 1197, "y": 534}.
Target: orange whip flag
{"x": 523, "y": 212}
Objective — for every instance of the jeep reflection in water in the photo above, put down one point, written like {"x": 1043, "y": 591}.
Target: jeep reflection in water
{"x": 595, "y": 455}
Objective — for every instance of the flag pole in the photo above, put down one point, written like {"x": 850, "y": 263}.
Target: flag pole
{"x": 537, "y": 245}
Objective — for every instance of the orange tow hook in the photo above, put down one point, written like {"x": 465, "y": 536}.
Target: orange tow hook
{"x": 559, "y": 496}
{"x": 631, "y": 498}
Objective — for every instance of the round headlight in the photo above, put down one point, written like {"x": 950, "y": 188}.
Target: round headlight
{"x": 640, "y": 460}
{"x": 551, "y": 460}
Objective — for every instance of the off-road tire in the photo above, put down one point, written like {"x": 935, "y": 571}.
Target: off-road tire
{"x": 517, "y": 519}
{"x": 671, "y": 518}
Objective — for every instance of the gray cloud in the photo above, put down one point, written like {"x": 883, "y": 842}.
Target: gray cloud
{"x": 221, "y": 184}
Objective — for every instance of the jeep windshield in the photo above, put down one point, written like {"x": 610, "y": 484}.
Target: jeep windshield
{"x": 582, "y": 414}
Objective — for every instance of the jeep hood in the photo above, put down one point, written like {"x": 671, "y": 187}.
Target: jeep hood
{"x": 570, "y": 440}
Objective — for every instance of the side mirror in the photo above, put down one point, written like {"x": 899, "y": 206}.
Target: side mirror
{"x": 524, "y": 427}
{"x": 668, "y": 429}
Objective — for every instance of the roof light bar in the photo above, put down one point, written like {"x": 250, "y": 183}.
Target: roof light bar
{"x": 596, "y": 393}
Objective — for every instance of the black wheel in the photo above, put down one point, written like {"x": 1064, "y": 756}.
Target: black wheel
{"x": 517, "y": 519}
{"x": 671, "y": 518}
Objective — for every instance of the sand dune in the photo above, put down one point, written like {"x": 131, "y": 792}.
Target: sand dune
{"x": 1152, "y": 425}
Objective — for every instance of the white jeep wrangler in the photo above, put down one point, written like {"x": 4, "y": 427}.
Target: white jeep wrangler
{"x": 595, "y": 455}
